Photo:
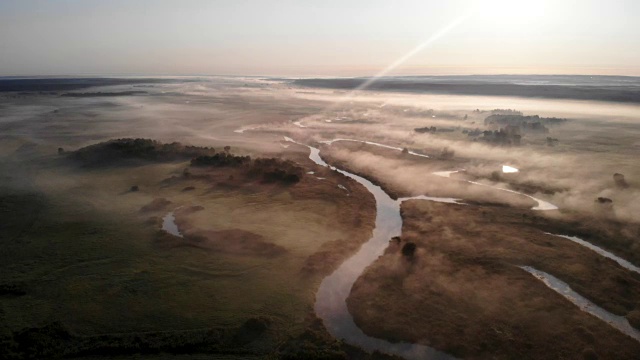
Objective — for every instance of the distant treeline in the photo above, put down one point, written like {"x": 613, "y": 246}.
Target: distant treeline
{"x": 128, "y": 150}
{"x": 105, "y": 94}
{"x": 519, "y": 120}
{"x": 67, "y": 84}
{"x": 435, "y": 86}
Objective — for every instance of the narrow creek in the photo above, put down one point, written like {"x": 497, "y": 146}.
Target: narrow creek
{"x": 562, "y": 288}
{"x": 542, "y": 205}
{"x": 622, "y": 262}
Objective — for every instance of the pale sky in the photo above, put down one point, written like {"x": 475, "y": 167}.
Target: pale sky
{"x": 318, "y": 38}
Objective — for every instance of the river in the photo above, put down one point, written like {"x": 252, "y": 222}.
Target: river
{"x": 331, "y": 305}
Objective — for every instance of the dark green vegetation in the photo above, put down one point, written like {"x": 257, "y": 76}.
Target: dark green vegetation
{"x": 54, "y": 340}
{"x": 115, "y": 151}
{"x": 527, "y": 122}
{"x": 270, "y": 170}
{"x": 132, "y": 151}
{"x": 65, "y": 84}
{"x": 220, "y": 160}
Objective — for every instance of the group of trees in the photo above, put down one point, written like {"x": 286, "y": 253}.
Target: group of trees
{"x": 143, "y": 149}
{"x": 220, "y": 160}
{"x": 269, "y": 170}
{"x": 620, "y": 181}
{"x": 533, "y": 123}
{"x": 426, "y": 129}
{"x": 505, "y": 112}
{"x": 446, "y": 153}
{"x": 276, "y": 170}
{"x": 502, "y": 137}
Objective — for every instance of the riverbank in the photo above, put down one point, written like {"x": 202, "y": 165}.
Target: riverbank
{"x": 465, "y": 289}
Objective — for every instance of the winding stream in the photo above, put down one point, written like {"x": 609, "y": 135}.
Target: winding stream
{"x": 618, "y": 322}
{"x": 542, "y": 205}
{"x": 622, "y": 262}
{"x": 329, "y": 142}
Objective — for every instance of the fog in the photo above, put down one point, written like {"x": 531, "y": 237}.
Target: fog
{"x": 252, "y": 114}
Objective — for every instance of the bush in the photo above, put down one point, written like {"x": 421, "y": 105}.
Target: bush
{"x": 446, "y": 154}
{"x": 276, "y": 170}
{"x": 409, "y": 249}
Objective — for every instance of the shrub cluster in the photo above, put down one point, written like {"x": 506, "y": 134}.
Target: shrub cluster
{"x": 220, "y": 160}
{"x": 276, "y": 170}
{"x": 144, "y": 149}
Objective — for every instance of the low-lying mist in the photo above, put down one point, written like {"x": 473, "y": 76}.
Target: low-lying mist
{"x": 597, "y": 140}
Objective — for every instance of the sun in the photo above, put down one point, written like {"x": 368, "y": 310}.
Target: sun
{"x": 525, "y": 11}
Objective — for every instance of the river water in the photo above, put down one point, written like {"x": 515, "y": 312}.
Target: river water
{"x": 169, "y": 224}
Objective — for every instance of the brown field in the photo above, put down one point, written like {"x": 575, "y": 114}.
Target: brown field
{"x": 464, "y": 289}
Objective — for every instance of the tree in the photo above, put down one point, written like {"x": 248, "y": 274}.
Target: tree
{"x": 409, "y": 249}
{"x": 620, "y": 181}
{"x": 227, "y": 149}
{"x": 446, "y": 154}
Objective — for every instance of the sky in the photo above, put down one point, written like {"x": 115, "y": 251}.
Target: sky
{"x": 318, "y": 38}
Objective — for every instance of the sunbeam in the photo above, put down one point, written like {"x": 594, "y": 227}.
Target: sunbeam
{"x": 401, "y": 60}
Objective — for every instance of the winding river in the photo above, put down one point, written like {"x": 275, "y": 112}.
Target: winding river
{"x": 542, "y": 205}
{"x": 331, "y": 306}
{"x": 329, "y": 142}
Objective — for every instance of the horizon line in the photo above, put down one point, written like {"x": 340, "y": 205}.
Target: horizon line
{"x": 122, "y": 75}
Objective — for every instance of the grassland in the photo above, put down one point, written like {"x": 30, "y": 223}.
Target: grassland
{"x": 465, "y": 290}
{"x": 85, "y": 260}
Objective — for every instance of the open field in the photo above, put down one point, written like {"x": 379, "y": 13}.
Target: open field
{"x": 465, "y": 289}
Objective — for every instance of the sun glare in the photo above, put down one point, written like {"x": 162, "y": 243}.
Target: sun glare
{"x": 513, "y": 11}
